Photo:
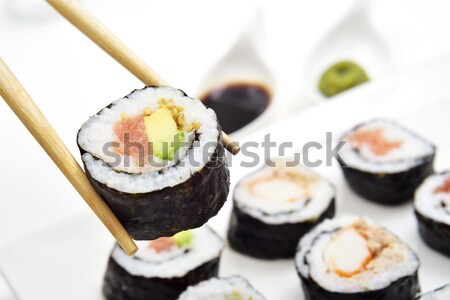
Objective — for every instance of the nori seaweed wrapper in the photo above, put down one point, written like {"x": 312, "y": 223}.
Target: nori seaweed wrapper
{"x": 434, "y": 233}
{"x": 253, "y": 237}
{"x": 188, "y": 205}
{"x": 165, "y": 212}
{"x": 405, "y": 288}
{"x": 120, "y": 285}
{"x": 388, "y": 188}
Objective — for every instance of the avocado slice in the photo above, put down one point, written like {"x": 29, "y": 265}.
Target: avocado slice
{"x": 163, "y": 133}
{"x": 183, "y": 238}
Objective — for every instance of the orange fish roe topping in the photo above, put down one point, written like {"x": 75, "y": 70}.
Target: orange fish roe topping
{"x": 131, "y": 134}
{"x": 445, "y": 188}
{"x": 162, "y": 244}
{"x": 375, "y": 140}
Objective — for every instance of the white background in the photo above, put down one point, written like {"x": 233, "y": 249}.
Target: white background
{"x": 70, "y": 78}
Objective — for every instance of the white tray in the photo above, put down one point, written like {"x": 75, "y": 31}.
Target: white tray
{"x": 67, "y": 260}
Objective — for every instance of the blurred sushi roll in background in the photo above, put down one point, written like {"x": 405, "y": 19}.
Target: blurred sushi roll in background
{"x": 352, "y": 258}
{"x": 229, "y": 288}
{"x": 384, "y": 162}
{"x": 156, "y": 158}
{"x": 432, "y": 209}
{"x": 442, "y": 293}
{"x": 163, "y": 268}
{"x": 275, "y": 206}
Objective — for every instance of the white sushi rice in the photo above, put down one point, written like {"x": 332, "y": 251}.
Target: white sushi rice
{"x": 310, "y": 261}
{"x": 442, "y": 293}
{"x": 408, "y": 155}
{"x": 279, "y": 201}
{"x": 205, "y": 246}
{"x": 432, "y": 204}
{"x": 220, "y": 288}
{"x": 98, "y": 131}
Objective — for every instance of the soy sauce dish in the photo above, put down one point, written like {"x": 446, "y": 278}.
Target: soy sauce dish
{"x": 240, "y": 106}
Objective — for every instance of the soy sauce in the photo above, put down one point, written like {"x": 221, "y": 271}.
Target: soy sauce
{"x": 237, "y": 105}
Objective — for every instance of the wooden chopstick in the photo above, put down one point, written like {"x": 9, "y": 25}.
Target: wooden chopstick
{"x": 76, "y": 14}
{"x": 31, "y": 116}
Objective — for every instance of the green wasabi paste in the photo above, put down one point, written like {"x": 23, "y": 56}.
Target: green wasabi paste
{"x": 340, "y": 77}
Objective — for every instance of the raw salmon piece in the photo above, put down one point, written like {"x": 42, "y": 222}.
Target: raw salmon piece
{"x": 375, "y": 140}
{"x": 162, "y": 244}
{"x": 445, "y": 188}
{"x": 131, "y": 132}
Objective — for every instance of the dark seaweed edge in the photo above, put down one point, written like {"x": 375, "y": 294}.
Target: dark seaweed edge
{"x": 121, "y": 285}
{"x": 313, "y": 291}
{"x": 251, "y": 236}
{"x": 188, "y": 205}
{"x": 405, "y": 288}
{"x": 434, "y": 233}
{"x": 192, "y": 202}
{"x": 388, "y": 188}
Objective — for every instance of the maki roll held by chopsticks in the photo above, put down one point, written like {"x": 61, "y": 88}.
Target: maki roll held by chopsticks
{"x": 156, "y": 158}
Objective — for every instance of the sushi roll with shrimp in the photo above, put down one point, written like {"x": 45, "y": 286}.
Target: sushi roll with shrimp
{"x": 275, "y": 206}
{"x": 384, "y": 162}
{"x": 163, "y": 268}
{"x": 156, "y": 158}
{"x": 442, "y": 293}
{"x": 432, "y": 209}
{"x": 352, "y": 258}
{"x": 229, "y": 288}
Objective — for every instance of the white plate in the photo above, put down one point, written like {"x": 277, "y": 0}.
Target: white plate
{"x": 67, "y": 260}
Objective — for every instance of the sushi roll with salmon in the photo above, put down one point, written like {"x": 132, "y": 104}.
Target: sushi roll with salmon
{"x": 384, "y": 162}
{"x": 230, "y": 288}
{"x": 275, "y": 206}
{"x": 352, "y": 258}
{"x": 432, "y": 209}
{"x": 156, "y": 158}
{"x": 163, "y": 268}
{"x": 442, "y": 293}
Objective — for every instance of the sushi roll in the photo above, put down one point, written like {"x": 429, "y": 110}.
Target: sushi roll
{"x": 156, "y": 158}
{"x": 352, "y": 258}
{"x": 432, "y": 209}
{"x": 230, "y": 288}
{"x": 384, "y": 162}
{"x": 163, "y": 268}
{"x": 275, "y": 206}
{"x": 442, "y": 293}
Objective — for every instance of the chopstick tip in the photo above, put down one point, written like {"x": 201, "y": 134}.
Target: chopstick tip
{"x": 230, "y": 145}
{"x": 130, "y": 250}
{"x": 233, "y": 148}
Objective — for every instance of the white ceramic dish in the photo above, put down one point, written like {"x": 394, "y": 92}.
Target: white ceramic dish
{"x": 354, "y": 38}
{"x": 67, "y": 260}
{"x": 243, "y": 64}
